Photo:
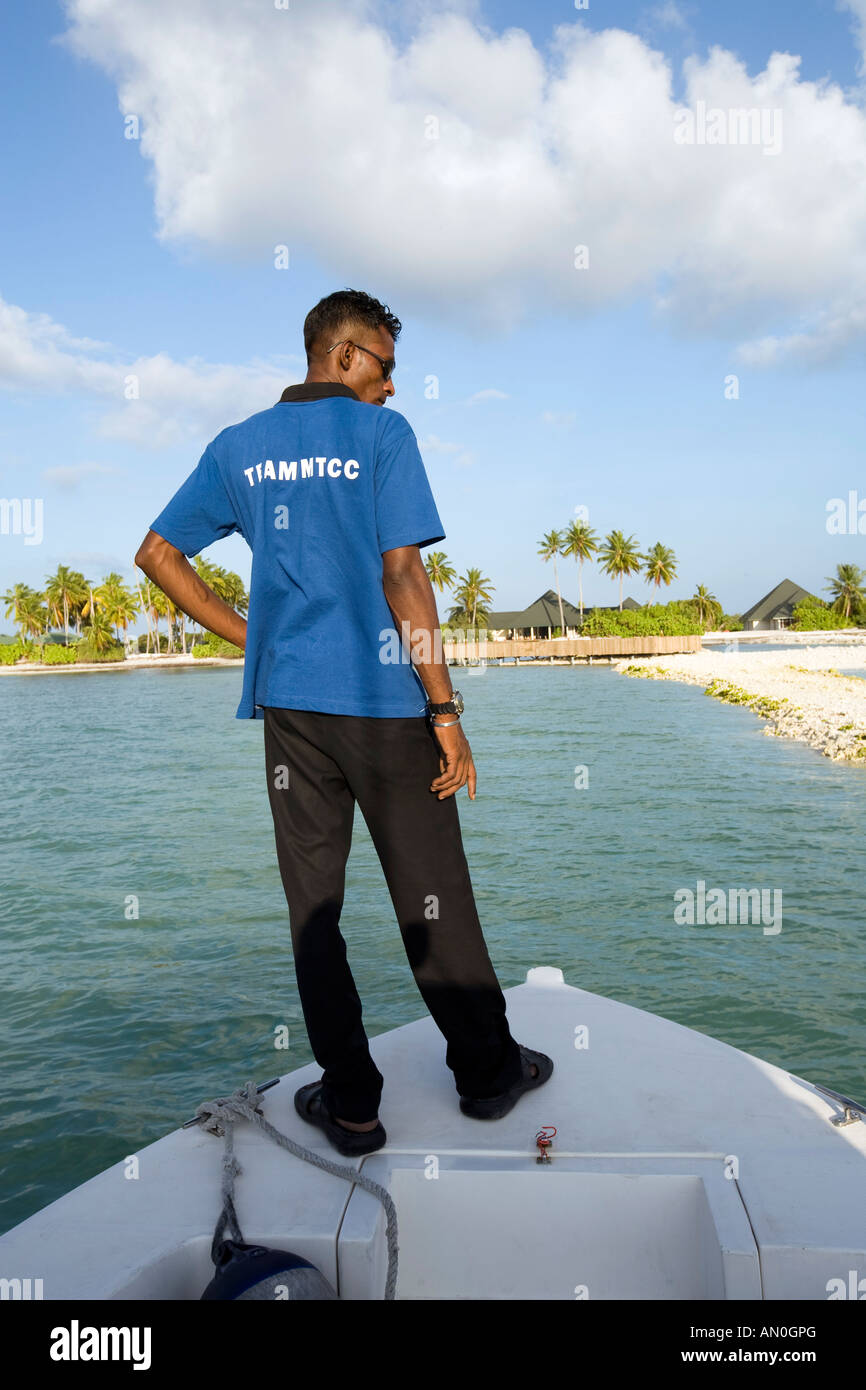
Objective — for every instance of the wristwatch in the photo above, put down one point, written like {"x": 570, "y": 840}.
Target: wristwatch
{"x": 452, "y": 706}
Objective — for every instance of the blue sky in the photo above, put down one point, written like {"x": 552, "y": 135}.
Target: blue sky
{"x": 558, "y": 387}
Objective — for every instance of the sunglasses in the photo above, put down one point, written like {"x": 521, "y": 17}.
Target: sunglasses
{"x": 387, "y": 363}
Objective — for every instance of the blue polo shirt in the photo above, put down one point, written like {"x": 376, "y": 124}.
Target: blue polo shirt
{"x": 319, "y": 486}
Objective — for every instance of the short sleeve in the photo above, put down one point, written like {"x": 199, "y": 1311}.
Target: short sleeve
{"x": 200, "y": 512}
{"x": 405, "y": 511}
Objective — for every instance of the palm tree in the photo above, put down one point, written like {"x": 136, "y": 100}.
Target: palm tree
{"x": 473, "y": 594}
{"x": 847, "y": 589}
{"x": 117, "y": 602}
{"x": 581, "y": 542}
{"x": 79, "y": 596}
{"x": 179, "y": 613}
{"x": 440, "y": 573}
{"x": 164, "y": 608}
{"x": 206, "y": 570}
{"x": 98, "y": 633}
{"x": 233, "y": 591}
{"x": 661, "y": 565}
{"x": 118, "y": 606}
{"x": 620, "y": 556}
{"x": 32, "y": 615}
{"x": 145, "y": 600}
{"x": 89, "y": 606}
{"x": 153, "y": 596}
{"x": 62, "y": 591}
{"x": 58, "y": 611}
{"x": 17, "y": 600}
{"x": 549, "y": 548}
{"x": 705, "y": 602}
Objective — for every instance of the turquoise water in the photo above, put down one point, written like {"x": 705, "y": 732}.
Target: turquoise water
{"x": 143, "y": 784}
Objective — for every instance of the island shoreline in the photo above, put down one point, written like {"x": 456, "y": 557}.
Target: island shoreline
{"x": 150, "y": 663}
{"x": 800, "y": 694}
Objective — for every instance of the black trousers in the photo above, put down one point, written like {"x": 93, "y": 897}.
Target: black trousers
{"x": 318, "y": 766}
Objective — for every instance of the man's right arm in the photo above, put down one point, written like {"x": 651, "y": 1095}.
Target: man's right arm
{"x": 411, "y": 599}
{"x": 169, "y": 568}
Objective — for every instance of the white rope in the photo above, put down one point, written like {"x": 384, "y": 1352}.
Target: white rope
{"x": 219, "y": 1117}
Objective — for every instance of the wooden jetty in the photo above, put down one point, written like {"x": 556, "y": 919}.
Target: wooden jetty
{"x": 569, "y": 651}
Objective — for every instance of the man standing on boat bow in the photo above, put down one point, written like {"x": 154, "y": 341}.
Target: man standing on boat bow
{"x": 331, "y": 494}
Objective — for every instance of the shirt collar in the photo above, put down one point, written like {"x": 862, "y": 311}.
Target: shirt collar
{"x": 316, "y": 391}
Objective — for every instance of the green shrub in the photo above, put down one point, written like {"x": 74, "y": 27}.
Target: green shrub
{"x": 676, "y": 619}
{"x": 813, "y": 615}
{"x": 460, "y": 620}
{"x": 53, "y": 655}
{"x": 216, "y": 646}
{"x": 87, "y": 653}
{"x": 163, "y": 642}
{"x": 10, "y": 652}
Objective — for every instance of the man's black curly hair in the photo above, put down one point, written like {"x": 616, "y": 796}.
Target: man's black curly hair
{"x": 340, "y": 313}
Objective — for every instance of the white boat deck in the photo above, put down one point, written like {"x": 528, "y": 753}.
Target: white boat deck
{"x": 682, "y": 1168}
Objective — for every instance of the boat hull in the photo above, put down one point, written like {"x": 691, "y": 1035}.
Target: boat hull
{"x": 681, "y": 1169}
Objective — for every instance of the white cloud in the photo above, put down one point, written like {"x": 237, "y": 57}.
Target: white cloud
{"x": 92, "y": 559}
{"x": 829, "y": 335}
{"x": 668, "y": 15}
{"x": 560, "y": 419}
{"x": 175, "y": 401}
{"x": 69, "y": 475}
{"x": 463, "y": 457}
{"x": 432, "y": 444}
{"x": 490, "y": 394}
{"x": 858, "y": 10}
{"x": 36, "y": 352}
{"x": 250, "y": 120}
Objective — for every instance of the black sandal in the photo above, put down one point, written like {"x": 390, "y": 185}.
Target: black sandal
{"x": 497, "y": 1106}
{"x": 311, "y": 1107}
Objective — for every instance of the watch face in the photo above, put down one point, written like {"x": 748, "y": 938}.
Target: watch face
{"x": 458, "y": 702}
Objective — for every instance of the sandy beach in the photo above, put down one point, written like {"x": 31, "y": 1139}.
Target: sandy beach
{"x": 800, "y": 694}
